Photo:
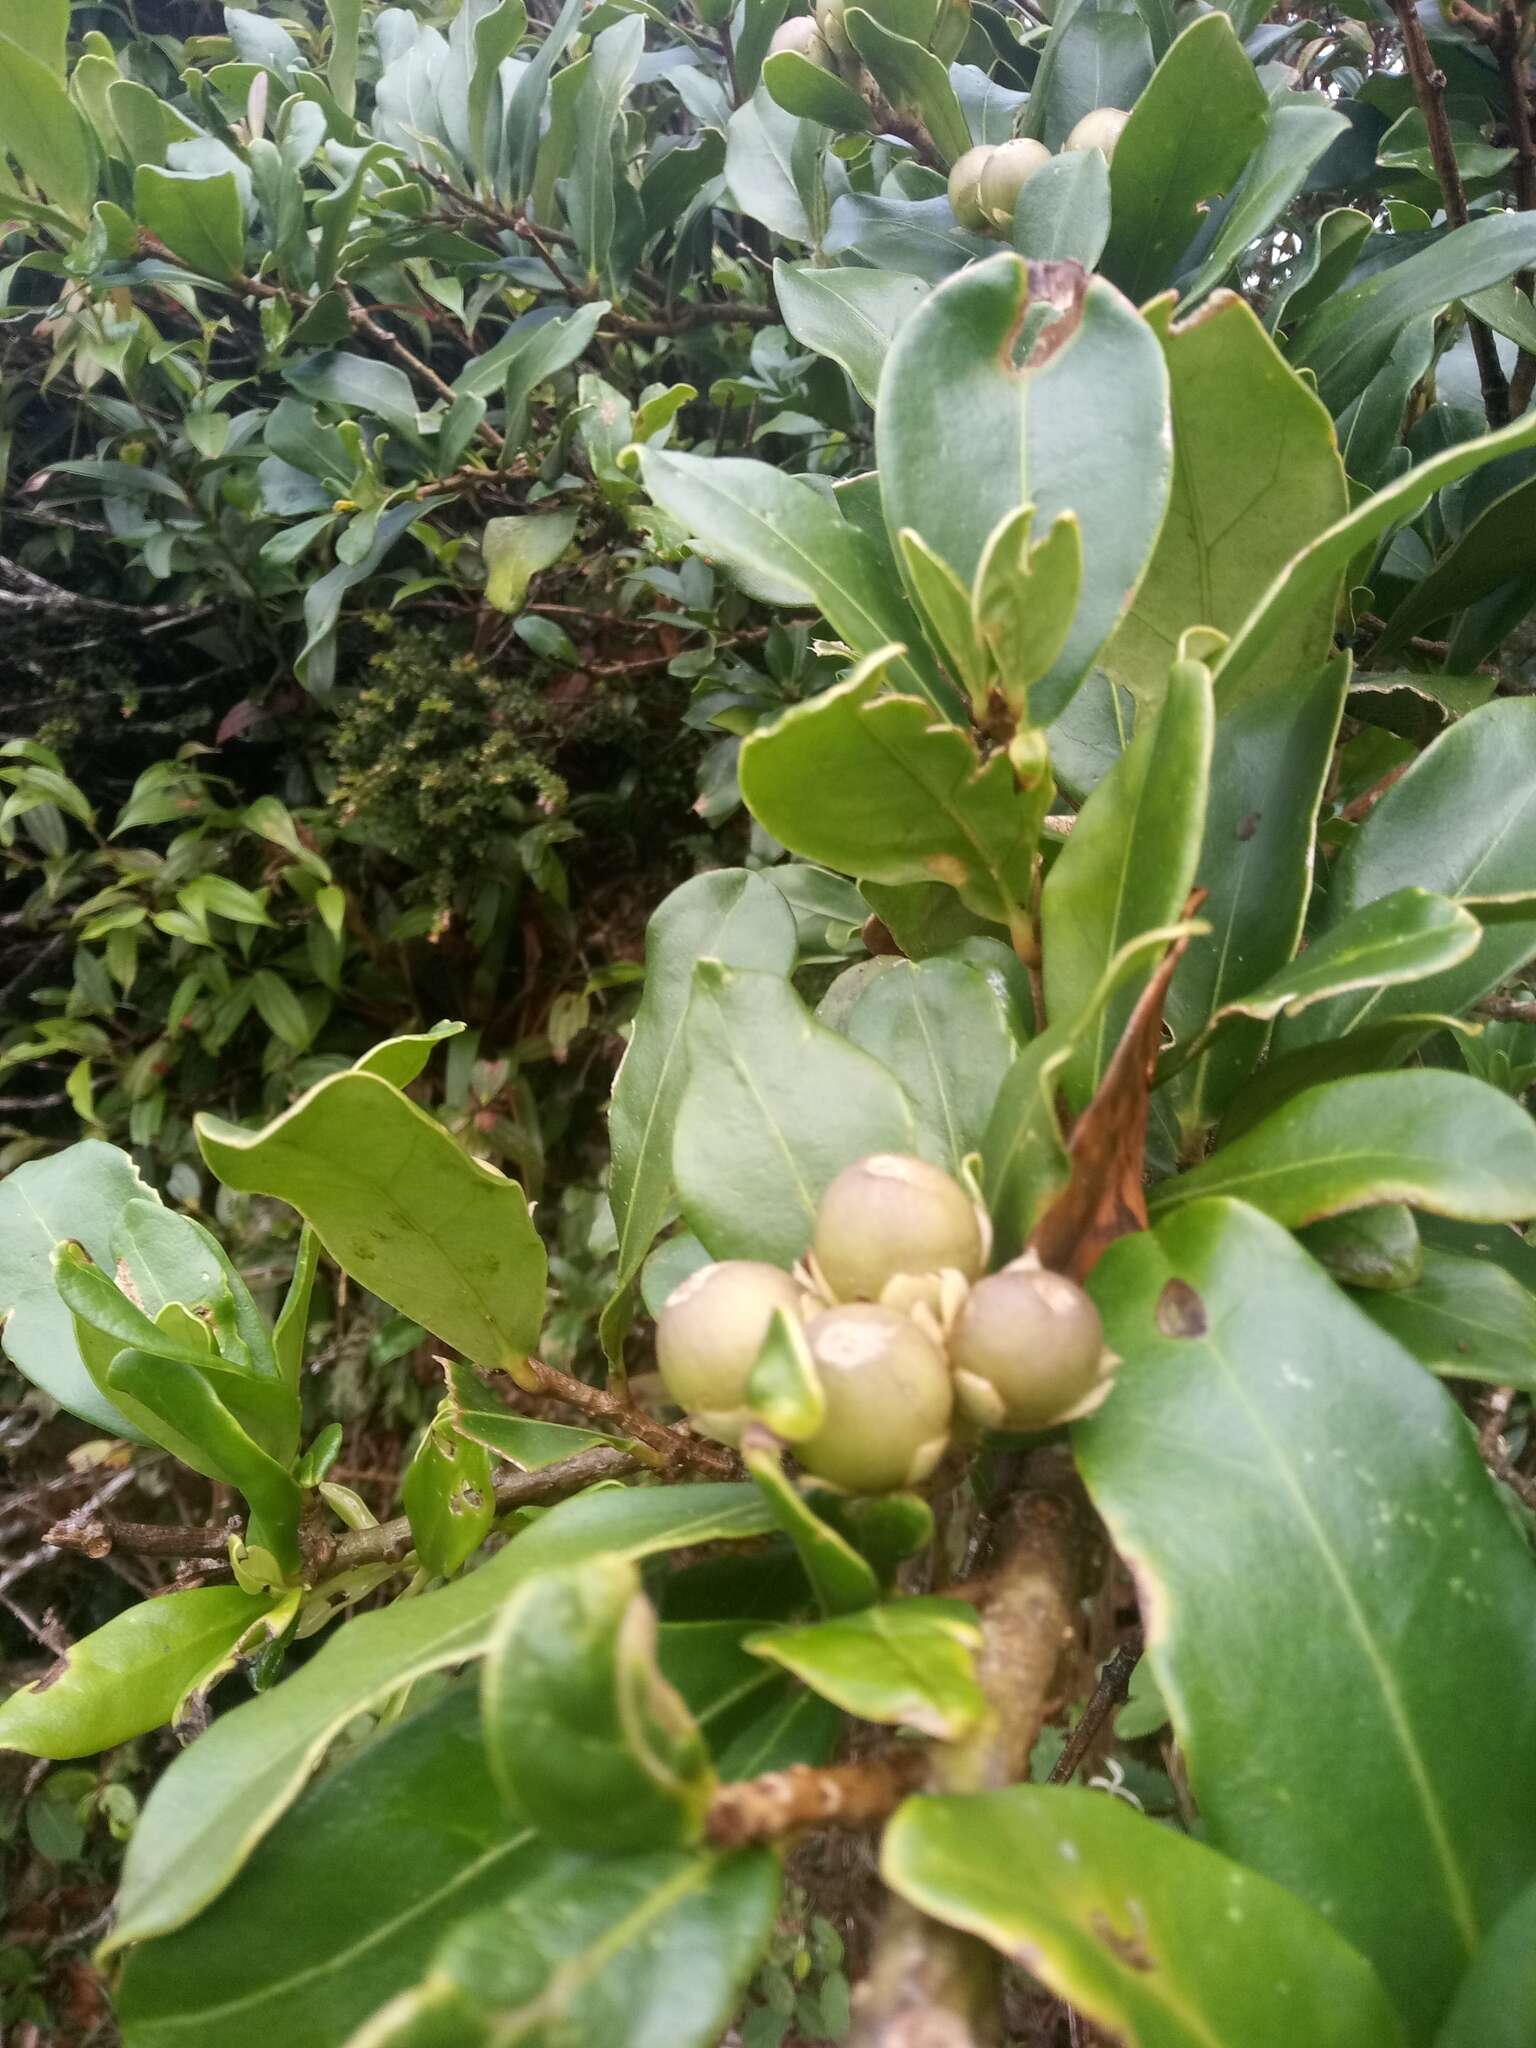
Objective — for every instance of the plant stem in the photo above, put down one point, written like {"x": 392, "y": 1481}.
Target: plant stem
{"x": 1112, "y": 1691}
{"x": 855, "y": 1795}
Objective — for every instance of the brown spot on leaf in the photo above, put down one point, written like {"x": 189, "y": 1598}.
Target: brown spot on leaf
{"x": 1180, "y": 1312}
{"x": 1129, "y": 1949}
{"x": 1248, "y": 826}
{"x": 51, "y": 1676}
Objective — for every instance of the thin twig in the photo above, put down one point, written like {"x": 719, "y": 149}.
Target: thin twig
{"x": 1509, "y": 46}
{"x": 667, "y": 1446}
{"x": 1508, "y": 1009}
{"x": 1112, "y": 1690}
{"x": 97, "y": 1536}
{"x": 1429, "y": 88}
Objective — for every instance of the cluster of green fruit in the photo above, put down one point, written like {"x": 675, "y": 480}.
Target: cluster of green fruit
{"x": 822, "y": 37}
{"x": 985, "y": 183}
{"x": 904, "y": 1334}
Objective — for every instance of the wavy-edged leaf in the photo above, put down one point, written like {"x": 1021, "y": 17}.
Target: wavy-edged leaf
{"x": 911, "y": 1663}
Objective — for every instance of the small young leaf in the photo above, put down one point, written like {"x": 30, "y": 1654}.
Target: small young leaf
{"x": 907, "y": 1662}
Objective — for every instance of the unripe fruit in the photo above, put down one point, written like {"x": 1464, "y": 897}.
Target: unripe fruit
{"x": 965, "y": 185}
{"x": 1099, "y": 130}
{"x": 829, "y": 19}
{"x": 1005, "y": 174}
{"x": 889, "y": 1400}
{"x": 891, "y": 1215}
{"x": 806, "y": 40}
{"x": 709, "y": 1334}
{"x": 1027, "y": 1349}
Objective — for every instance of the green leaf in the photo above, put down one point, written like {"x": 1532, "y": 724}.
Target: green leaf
{"x": 1313, "y": 1457}
{"x": 41, "y": 28}
{"x": 1461, "y": 822}
{"x": 774, "y": 1106}
{"x": 1464, "y": 1318}
{"x": 964, "y": 437}
{"x": 351, "y": 1891}
{"x": 811, "y": 93}
{"x": 591, "y": 201}
{"x": 760, "y": 143}
{"x": 442, "y": 1237}
{"x": 399, "y": 1061}
{"x": 850, "y": 315}
{"x": 873, "y": 786}
{"x": 78, "y": 1193}
{"x": 1493, "y": 2007}
{"x": 1348, "y": 339}
{"x": 911, "y": 1663}
{"x": 526, "y": 107}
{"x": 939, "y": 1028}
{"x": 1270, "y": 759}
{"x": 1436, "y": 1140}
{"x": 644, "y": 1949}
{"x": 1190, "y": 136}
{"x": 1495, "y": 547}
{"x": 341, "y": 72}
{"x": 1062, "y": 214}
{"x": 356, "y": 384}
{"x": 1374, "y": 1248}
{"x": 279, "y": 1008}
{"x": 200, "y": 219}
{"x": 1256, "y": 475}
{"x": 732, "y": 916}
{"x": 586, "y": 1739}
{"x": 912, "y": 79}
{"x": 784, "y": 1390}
{"x": 1317, "y": 567}
{"x": 516, "y": 548}
{"x": 842, "y": 1579}
{"x": 127, "y": 1678}
{"x": 1140, "y": 1929}
{"x": 216, "y": 1802}
{"x": 292, "y": 1326}
{"x": 788, "y": 544}
{"x": 497, "y": 30}
{"x": 1092, "y": 58}
{"x": 43, "y": 130}
{"x": 447, "y": 1494}
{"x": 1127, "y": 867}
{"x": 1301, "y": 127}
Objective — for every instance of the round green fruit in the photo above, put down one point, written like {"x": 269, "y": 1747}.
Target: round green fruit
{"x": 1027, "y": 1349}
{"x": 1099, "y": 130}
{"x": 1005, "y": 174}
{"x": 965, "y": 185}
{"x": 806, "y": 40}
{"x": 889, "y": 1400}
{"x": 890, "y": 1215}
{"x": 709, "y": 1334}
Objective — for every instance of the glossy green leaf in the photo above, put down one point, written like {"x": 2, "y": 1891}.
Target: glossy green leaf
{"x": 1316, "y": 569}
{"x": 964, "y": 436}
{"x": 1461, "y": 822}
{"x": 1263, "y": 1430}
{"x": 351, "y": 1891}
{"x": 208, "y": 1812}
{"x": 129, "y": 1676}
{"x": 341, "y": 72}
{"x": 1436, "y": 1140}
{"x": 76, "y": 1194}
{"x": 1301, "y": 127}
{"x": 41, "y": 28}
{"x": 1374, "y": 1248}
{"x": 908, "y": 1662}
{"x": 789, "y": 544}
{"x": 732, "y": 916}
{"x": 1128, "y": 866}
{"x": 784, "y": 1390}
{"x": 850, "y": 315}
{"x": 585, "y": 1738}
{"x": 291, "y": 1329}
{"x": 1062, "y": 214}
{"x": 1093, "y": 57}
{"x": 44, "y": 132}
{"x": 1023, "y": 1149}
{"x": 914, "y": 80}
{"x": 399, "y": 1061}
{"x": 448, "y": 1496}
{"x": 1497, "y": 1997}
{"x": 939, "y": 1028}
{"x": 479, "y": 1414}
{"x": 495, "y": 32}
{"x": 654, "y": 1951}
{"x": 1348, "y": 339}
{"x": 873, "y": 786}
{"x": 1256, "y": 474}
{"x": 1497, "y": 545}
{"x": 591, "y": 200}
{"x": 525, "y": 110}
{"x": 1464, "y": 1318}
{"x": 1270, "y": 759}
{"x": 812, "y": 93}
{"x": 441, "y": 1237}
{"x": 1190, "y": 136}
{"x": 774, "y": 1106}
{"x": 1139, "y": 1928}
{"x": 842, "y": 1580}
{"x": 200, "y": 219}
